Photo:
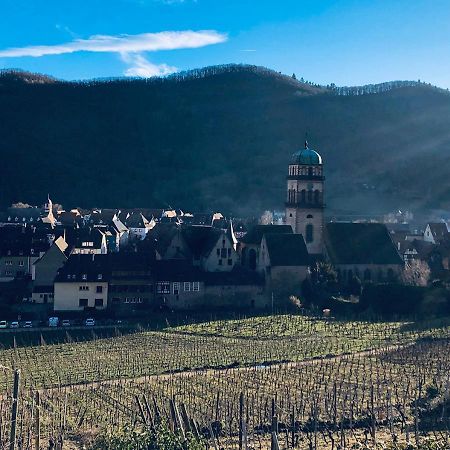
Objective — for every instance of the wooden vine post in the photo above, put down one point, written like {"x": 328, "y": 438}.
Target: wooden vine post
{"x": 38, "y": 422}
{"x": 15, "y": 407}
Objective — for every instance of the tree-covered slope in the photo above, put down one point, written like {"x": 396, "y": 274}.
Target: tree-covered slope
{"x": 219, "y": 138}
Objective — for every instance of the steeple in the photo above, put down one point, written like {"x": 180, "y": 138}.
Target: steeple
{"x": 305, "y": 200}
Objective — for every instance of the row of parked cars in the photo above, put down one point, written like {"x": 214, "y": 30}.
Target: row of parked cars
{"x": 52, "y": 322}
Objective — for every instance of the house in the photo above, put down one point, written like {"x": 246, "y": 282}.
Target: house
{"x": 250, "y": 244}
{"x": 138, "y": 226}
{"x": 364, "y": 250}
{"x": 168, "y": 241}
{"x": 283, "y": 258}
{"x": 31, "y": 215}
{"x": 283, "y": 253}
{"x": 86, "y": 241}
{"x": 82, "y": 283}
{"x": 45, "y": 269}
{"x": 121, "y": 231}
{"x": 436, "y": 232}
{"x": 212, "y": 249}
{"x": 131, "y": 284}
{"x": 178, "y": 284}
{"x": 20, "y": 246}
{"x": 237, "y": 289}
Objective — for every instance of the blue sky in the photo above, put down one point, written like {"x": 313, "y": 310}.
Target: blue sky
{"x": 348, "y": 42}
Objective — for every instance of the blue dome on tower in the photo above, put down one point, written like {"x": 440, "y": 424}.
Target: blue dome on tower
{"x": 307, "y": 157}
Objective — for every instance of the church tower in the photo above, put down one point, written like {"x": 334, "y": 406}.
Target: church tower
{"x": 304, "y": 202}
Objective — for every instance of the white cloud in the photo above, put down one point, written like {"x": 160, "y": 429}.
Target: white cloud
{"x": 146, "y": 42}
{"x": 142, "y": 67}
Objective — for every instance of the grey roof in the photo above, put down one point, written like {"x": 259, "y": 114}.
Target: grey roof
{"x": 286, "y": 249}
{"x": 255, "y": 234}
{"x": 360, "y": 243}
{"x": 439, "y": 231}
{"x": 201, "y": 239}
{"x": 84, "y": 268}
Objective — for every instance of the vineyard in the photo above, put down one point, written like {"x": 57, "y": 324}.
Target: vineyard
{"x": 281, "y": 381}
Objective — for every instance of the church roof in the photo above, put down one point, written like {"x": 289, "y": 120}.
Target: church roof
{"x": 306, "y": 156}
{"x": 360, "y": 243}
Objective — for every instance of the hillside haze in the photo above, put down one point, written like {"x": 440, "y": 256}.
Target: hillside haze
{"x": 219, "y": 138}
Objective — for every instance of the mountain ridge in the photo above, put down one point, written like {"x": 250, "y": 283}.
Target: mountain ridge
{"x": 222, "y": 138}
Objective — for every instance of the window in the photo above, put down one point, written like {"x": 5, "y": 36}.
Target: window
{"x": 187, "y": 286}
{"x": 230, "y": 262}
{"x": 84, "y": 276}
{"x": 223, "y": 253}
{"x": 99, "y": 276}
{"x": 163, "y": 287}
{"x": 21, "y": 263}
{"x": 83, "y": 288}
{"x": 176, "y": 288}
{"x": 8, "y": 273}
{"x": 8, "y": 263}
{"x": 83, "y": 302}
{"x": 309, "y": 216}
{"x": 98, "y": 302}
{"x": 195, "y": 286}
{"x": 218, "y": 252}
{"x": 229, "y": 252}
{"x": 220, "y": 262}
{"x": 309, "y": 233}
{"x": 99, "y": 289}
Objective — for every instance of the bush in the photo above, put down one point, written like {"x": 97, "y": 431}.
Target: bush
{"x": 392, "y": 299}
{"x": 160, "y": 438}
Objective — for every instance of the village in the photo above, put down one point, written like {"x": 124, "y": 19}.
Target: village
{"x": 123, "y": 262}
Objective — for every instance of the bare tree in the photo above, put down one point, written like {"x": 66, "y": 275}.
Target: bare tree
{"x": 416, "y": 273}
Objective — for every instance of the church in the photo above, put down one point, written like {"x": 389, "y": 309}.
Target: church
{"x": 363, "y": 250}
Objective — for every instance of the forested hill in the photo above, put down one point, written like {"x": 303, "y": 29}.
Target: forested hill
{"x": 220, "y": 138}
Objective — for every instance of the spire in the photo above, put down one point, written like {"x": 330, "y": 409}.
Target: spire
{"x": 306, "y": 141}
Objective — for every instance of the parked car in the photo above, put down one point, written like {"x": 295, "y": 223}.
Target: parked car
{"x": 3, "y": 323}
{"x": 65, "y": 323}
{"x": 14, "y": 325}
{"x": 89, "y": 322}
{"x": 53, "y": 321}
{"x": 28, "y": 324}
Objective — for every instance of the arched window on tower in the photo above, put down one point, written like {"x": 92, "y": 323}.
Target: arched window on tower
{"x": 303, "y": 196}
{"x": 310, "y": 171}
{"x": 317, "y": 196}
{"x": 310, "y": 195}
{"x": 309, "y": 233}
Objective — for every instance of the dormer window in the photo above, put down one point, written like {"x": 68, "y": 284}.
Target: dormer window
{"x": 99, "y": 276}
{"x": 84, "y": 276}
